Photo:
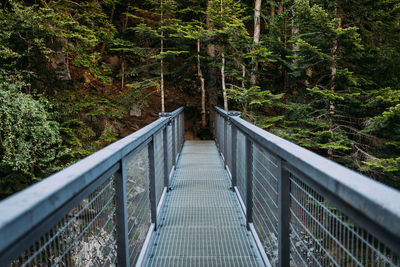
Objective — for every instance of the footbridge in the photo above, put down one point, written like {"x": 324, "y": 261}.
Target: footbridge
{"x": 247, "y": 198}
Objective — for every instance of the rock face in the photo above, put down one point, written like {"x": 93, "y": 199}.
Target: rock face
{"x": 59, "y": 63}
{"x": 113, "y": 62}
{"x": 135, "y": 111}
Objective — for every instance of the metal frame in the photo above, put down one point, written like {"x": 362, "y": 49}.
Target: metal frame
{"x": 122, "y": 216}
{"x": 152, "y": 176}
{"x": 234, "y": 158}
{"x": 283, "y": 216}
{"x": 249, "y": 182}
{"x": 29, "y": 214}
{"x": 372, "y": 205}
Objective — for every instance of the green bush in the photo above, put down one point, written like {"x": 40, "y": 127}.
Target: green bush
{"x": 29, "y": 140}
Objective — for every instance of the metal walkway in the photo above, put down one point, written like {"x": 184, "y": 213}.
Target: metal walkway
{"x": 290, "y": 207}
{"x": 201, "y": 223}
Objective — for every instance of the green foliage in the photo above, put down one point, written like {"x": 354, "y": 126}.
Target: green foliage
{"x": 167, "y": 54}
{"x": 388, "y": 124}
{"x": 30, "y": 139}
{"x": 91, "y": 62}
{"x": 327, "y": 75}
{"x": 253, "y": 97}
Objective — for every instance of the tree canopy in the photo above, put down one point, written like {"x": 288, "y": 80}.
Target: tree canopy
{"x": 77, "y": 75}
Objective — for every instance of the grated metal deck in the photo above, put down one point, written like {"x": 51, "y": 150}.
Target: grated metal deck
{"x": 201, "y": 221}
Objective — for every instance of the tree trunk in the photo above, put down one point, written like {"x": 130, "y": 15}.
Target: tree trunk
{"x": 162, "y": 64}
{"x": 282, "y": 68}
{"x": 272, "y": 12}
{"x": 211, "y": 77}
{"x": 280, "y": 11}
{"x": 103, "y": 46}
{"x": 308, "y": 76}
{"x": 123, "y": 72}
{"x": 295, "y": 31}
{"x": 334, "y": 54}
{"x": 202, "y": 88}
{"x": 256, "y": 38}
{"x": 243, "y": 75}
{"x": 243, "y": 87}
{"x": 162, "y": 79}
{"x": 223, "y": 83}
{"x": 123, "y": 61}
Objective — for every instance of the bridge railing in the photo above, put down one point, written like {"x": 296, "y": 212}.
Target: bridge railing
{"x": 99, "y": 211}
{"x": 303, "y": 209}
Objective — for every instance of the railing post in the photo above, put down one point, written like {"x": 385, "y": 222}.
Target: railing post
{"x": 234, "y": 157}
{"x": 173, "y": 142}
{"x": 249, "y": 182}
{"x": 180, "y": 132}
{"x": 122, "y": 216}
{"x": 165, "y": 145}
{"x": 234, "y": 149}
{"x": 225, "y": 141}
{"x": 283, "y": 216}
{"x": 183, "y": 129}
{"x": 165, "y": 151}
{"x": 177, "y": 134}
{"x": 152, "y": 177}
{"x": 216, "y": 132}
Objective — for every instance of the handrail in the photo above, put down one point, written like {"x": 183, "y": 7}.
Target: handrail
{"x": 371, "y": 204}
{"x": 28, "y": 209}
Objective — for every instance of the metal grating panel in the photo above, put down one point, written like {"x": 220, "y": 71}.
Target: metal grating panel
{"x": 84, "y": 237}
{"x": 265, "y": 200}
{"x": 138, "y": 201}
{"x": 201, "y": 221}
{"x": 159, "y": 164}
{"x": 241, "y": 166}
{"x": 322, "y": 235}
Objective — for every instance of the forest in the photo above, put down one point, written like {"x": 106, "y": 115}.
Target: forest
{"x": 78, "y": 75}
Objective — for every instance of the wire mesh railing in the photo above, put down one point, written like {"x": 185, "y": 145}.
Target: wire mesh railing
{"x": 99, "y": 211}
{"x": 303, "y": 209}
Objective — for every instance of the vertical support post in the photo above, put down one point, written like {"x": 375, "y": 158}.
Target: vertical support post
{"x": 234, "y": 157}
{"x": 178, "y": 142}
{"x": 234, "y": 148}
{"x": 225, "y": 141}
{"x": 283, "y": 216}
{"x": 216, "y": 131}
{"x": 249, "y": 182}
{"x": 122, "y": 216}
{"x": 183, "y": 129}
{"x": 152, "y": 177}
{"x": 180, "y": 132}
{"x": 173, "y": 142}
{"x": 165, "y": 146}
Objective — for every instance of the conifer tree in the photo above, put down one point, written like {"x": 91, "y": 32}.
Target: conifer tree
{"x": 228, "y": 28}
